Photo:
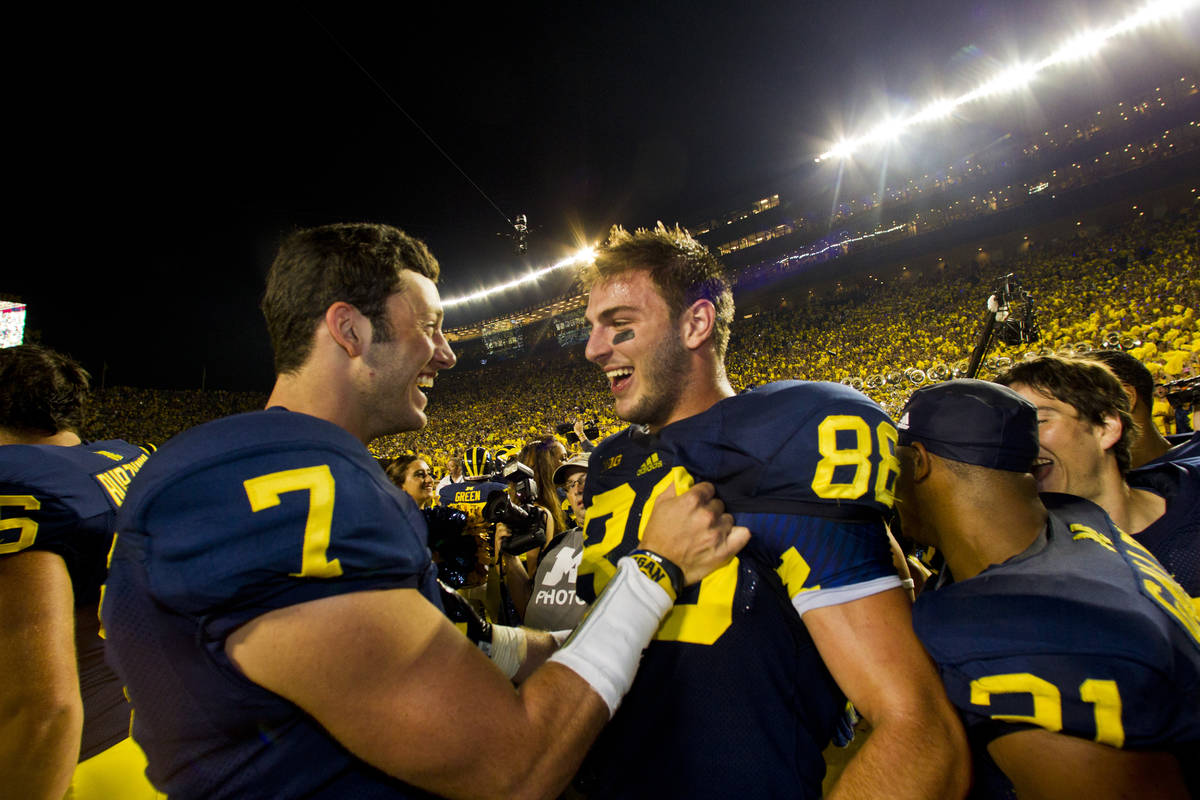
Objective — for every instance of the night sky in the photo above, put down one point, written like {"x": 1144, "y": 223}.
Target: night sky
{"x": 159, "y": 158}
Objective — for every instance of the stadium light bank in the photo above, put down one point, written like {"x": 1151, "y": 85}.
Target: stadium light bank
{"x": 1079, "y": 47}
{"x": 582, "y": 256}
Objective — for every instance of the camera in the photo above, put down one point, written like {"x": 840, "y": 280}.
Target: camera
{"x": 461, "y": 556}
{"x": 1183, "y": 392}
{"x": 1016, "y": 320}
{"x": 591, "y": 430}
{"x": 524, "y": 519}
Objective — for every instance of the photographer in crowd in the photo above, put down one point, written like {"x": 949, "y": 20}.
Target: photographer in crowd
{"x": 553, "y": 604}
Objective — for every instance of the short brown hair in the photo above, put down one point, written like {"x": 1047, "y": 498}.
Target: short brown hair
{"x": 1088, "y": 386}
{"x": 681, "y": 268}
{"x": 41, "y": 391}
{"x": 357, "y": 263}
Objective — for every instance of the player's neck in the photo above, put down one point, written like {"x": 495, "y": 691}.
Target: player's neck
{"x": 1014, "y": 523}
{"x": 62, "y": 438}
{"x": 299, "y": 392}
{"x": 701, "y": 392}
{"x": 1149, "y": 446}
{"x": 1134, "y": 509}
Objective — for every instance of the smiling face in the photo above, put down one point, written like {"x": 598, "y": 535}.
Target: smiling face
{"x": 406, "y": 358}
{"x": 418, "y": 482}
{"x": 636, "y": 341}
{"x": 1073, "y": 454}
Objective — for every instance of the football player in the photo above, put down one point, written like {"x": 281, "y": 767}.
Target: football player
{"x": 1070, "y": 653}
{"x": 763, "y": 649}
{"x": 271, "y": 604}
{"x": 60, "y": 704}
{"x": 1085, "y": 430}
{"x": 469, "y": 495}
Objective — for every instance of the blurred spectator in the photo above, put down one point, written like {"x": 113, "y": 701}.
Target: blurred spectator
{"x": 454, "y": 473}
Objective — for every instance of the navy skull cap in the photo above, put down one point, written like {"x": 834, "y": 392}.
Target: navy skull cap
{"x": 974, "y": 422}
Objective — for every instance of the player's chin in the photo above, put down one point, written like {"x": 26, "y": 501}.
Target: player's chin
{"x": 625, "y": 407}
{"x": 414, "y": 420}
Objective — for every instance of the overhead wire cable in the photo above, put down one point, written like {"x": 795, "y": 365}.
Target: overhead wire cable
{"x": 409, "y": 117}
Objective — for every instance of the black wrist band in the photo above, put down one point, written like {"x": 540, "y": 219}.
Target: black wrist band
{"x": 662, "y": 571}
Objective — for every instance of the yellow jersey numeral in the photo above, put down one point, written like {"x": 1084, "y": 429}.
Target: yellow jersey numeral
{"x": 264, "y": 491}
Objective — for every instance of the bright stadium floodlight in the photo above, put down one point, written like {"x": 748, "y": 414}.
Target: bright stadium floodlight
{"x": 842, "y": 149}
{"x": 1014, "y": 78}
{"x": 937, "y": 110}
{"x": 1077, "y": 48}
{"x": 582, "y": 256}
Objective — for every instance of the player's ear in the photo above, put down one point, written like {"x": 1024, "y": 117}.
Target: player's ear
{"x": 918, "y": 462}
{"x": 698, "y": 323}
{"x": 1109, "y": 431}
{"x": 347, "y": 327}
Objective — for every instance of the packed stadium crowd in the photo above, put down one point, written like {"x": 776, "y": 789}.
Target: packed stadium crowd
{"x": 1134, "y": 286}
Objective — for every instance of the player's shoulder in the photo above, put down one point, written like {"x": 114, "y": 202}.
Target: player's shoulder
{"x": 775, "y": 441}
{"x": 1071, "y": 595}
{"x": 1166, "y": 477}
{"x": 87, "y": 477}
{"x": 805, "y": 399}
{"x": 770, "y": 414}
{"x": 469, "y": 491}
{"x": 276, "y": 439}
{"x": 623, "y": 456}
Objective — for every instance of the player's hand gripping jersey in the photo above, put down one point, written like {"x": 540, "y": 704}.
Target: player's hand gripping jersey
{"x": 1084, "y": 633}
{"x": 64, "y": 500}
{"x": 732, "y": 698}
{"x": 229, "y": 521}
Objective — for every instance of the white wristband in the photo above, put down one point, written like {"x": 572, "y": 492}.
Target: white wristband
{"x": 607, "y": 645}
{"x": 508, "y": 649}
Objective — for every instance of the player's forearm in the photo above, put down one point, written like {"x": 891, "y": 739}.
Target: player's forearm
{"x": 564, "y": 704}
{"x": 39, "y": 747}
{"x": 540, "y": 645}
{"x": 917, "y": 756}
{"x": 565, "y": 714}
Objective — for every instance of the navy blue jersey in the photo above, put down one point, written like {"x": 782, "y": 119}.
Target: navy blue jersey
{"x": 229, "y": 521}
{"x": 1174, "y": 538}
{"x": 64, "y": 500}
{"x": 470, "y": 496}
{"x": 732, "y": 698}
{"x": 1183, "y": 446}
{"x": 1084, "y": 633}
